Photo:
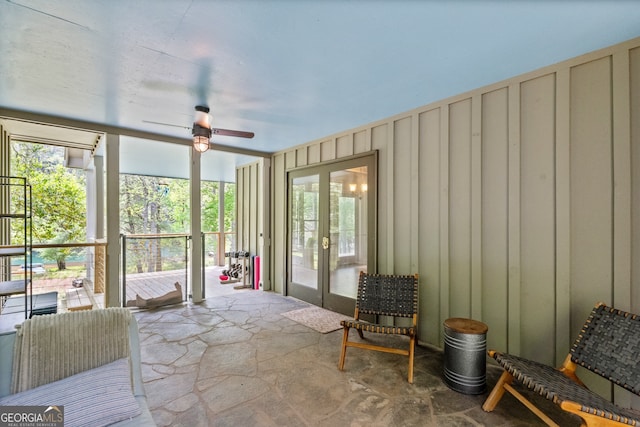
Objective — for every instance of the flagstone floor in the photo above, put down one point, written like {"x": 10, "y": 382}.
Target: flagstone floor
{"x": 234, "y": 360}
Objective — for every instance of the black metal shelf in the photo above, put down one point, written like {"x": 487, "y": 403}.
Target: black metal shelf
{"x": 16, "y": 206}
{"x": 13, "y": 251}
{"x": 15, "y": 215}
{"x": 12, "y": 287}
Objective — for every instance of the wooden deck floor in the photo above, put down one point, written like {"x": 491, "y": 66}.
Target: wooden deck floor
{"x": 153, "y": 285}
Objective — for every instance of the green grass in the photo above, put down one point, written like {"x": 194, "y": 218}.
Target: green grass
{"x": 69, "y": 272}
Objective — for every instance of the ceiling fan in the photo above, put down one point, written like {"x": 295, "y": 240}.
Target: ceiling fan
{"x": 202, "y": 130}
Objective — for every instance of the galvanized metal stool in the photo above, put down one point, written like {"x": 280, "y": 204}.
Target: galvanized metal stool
{"x": 465, "y": 360}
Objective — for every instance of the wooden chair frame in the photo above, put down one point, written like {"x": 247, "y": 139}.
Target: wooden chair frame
{"x": 384, "y": 295}
{"x": 608, "y": 345}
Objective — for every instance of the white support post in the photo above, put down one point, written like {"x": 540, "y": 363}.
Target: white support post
{"x": 113, "y": 297}
{"x": 197, "y": 281}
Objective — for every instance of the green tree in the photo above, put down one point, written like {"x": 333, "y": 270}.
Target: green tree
{"x": 143, "y": 211}
{"x": 178, "y": 199}
{"x": 143, "y": 205}
{"x": 58, "y": 198}
{"x": 211, "y": 206}
{"x": 229, "y": 207}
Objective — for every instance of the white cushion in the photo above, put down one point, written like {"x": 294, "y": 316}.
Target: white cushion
{"x": 97, "y": 397}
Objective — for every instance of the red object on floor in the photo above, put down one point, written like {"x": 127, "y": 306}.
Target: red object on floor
{"x": 256, "y": 273}
{"x": 223, "y": 277}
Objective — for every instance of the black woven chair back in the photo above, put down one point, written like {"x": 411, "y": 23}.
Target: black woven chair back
{"x": 387, "y": 295}
{"x": 609, "y": 344}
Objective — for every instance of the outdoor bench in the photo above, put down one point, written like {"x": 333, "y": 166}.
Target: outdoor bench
{"x": 78, "y": 299}
{"x": 608, "y": 345}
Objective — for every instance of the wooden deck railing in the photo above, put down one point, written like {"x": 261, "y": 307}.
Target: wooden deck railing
{"x": 98, "y": 264}
{"x": 214, "y": 246}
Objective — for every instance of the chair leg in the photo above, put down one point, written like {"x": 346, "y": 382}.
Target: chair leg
{"x": 360, "y": 333}
{"x": 497, "y": 392}
{"x": 412, "y": 345}
{"x": 533, "y": 408}
{"x": 343, "y": 351}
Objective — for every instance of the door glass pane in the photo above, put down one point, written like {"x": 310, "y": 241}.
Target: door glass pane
{"x": 348, "y": 229}
{"x": 304, "y": 231}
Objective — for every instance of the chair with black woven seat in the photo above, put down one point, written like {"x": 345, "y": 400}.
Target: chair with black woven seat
{"x": 608, "y": 345}
{"x": 395, "y": 296}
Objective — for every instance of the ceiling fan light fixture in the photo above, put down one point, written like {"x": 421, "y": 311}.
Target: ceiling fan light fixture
{"x": 200, "y": 143}
{"x": 201, "y": 136}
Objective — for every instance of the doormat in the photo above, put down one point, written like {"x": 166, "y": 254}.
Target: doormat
{"x": 317, "y": 318}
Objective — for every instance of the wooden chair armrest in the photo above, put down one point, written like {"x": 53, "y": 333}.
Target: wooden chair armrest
{"x": 568, "y": 368}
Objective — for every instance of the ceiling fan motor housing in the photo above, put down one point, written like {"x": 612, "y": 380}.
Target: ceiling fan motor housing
{"x": 202, "y": 118}
{"x": 198, "y": 130}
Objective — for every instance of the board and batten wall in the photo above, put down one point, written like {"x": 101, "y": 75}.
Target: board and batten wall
{"x": 253, "y": 214}
{"x": 517, "y": 203}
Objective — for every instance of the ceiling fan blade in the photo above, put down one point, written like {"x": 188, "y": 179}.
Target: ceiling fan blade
{"x": 228, "y": 132}
{"x": 166, "y": 124}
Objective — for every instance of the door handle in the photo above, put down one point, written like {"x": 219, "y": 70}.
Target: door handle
{"x": 325, "y": 243}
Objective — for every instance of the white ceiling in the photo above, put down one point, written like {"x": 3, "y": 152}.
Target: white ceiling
{"x": 290, "y": 71}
